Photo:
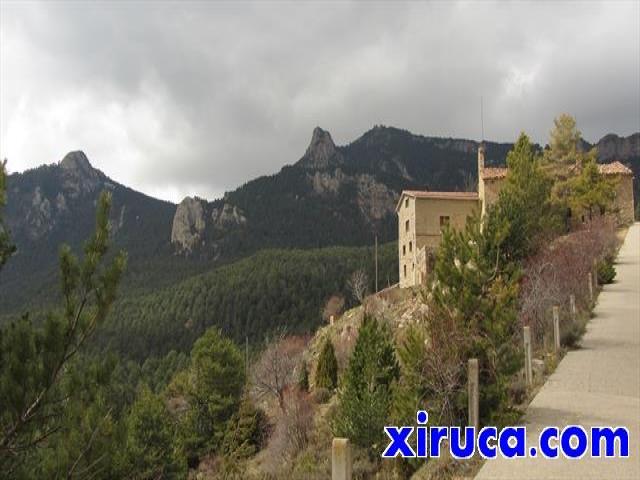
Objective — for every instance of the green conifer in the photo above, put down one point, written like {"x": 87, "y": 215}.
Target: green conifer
{"x": 365, "y": 398}
{"x": 327, "y": 369}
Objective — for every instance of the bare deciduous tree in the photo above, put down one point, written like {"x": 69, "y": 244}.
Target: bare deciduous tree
{"x": 357, "y": 285}
{"x": 274, "y": 373}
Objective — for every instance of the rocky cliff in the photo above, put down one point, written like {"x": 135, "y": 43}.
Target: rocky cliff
{"x": 195, "y": 219}
{"x": 612, "y": 147}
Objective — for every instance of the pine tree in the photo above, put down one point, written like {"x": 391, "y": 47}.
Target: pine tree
{"x": 6, "y": 248}
{"x": 591, "y": 192}
{"x": 365, "y": 398}
{"x": 578, "y": 186}
{"x": 475, "y": 295}
{"x": 149, "y": 451}
{"x": 564, "y": 147}
{"x": 524, "y": 202}
{"x": 34, "y": 361}
{"x": 247, "y": 431}
{"x": 216, "y": 380}
{"x": 327, "y": 369}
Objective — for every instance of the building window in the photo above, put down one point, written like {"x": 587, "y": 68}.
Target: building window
{"x": 444, "y": 221}
{"x": 410, "y": 247}
{"x": 404, "y": 249}
{"x": 406, "y": 226}
{"x": 406, "y": 203}
{"x": 405, "y": 271}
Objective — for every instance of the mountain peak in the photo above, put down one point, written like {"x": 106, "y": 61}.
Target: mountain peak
{"x": 321, "y": 150}
{"x": 77, "y": 161}
{"x": 79, "y": 174}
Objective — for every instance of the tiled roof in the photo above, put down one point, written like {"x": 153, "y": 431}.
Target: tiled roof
{"x": 489, "y": 173}
{"x": 437, "y": 195}
{"x": 445, "y": 195}
{"x": 614, "y": 168}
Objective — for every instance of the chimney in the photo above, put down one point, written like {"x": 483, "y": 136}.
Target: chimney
{"x": 481, "y": 151}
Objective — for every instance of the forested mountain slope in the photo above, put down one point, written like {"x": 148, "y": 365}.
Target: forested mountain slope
{"x": 333, "y": 195}
{"x": 271, "y": 291}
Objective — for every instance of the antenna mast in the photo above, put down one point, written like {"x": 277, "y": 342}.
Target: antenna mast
{"x": 482, "y": 117}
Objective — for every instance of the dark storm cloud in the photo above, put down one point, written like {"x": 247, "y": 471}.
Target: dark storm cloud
{"x": 177, "y": 99}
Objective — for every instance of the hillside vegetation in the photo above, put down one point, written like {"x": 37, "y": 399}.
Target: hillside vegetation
{"x": 274, "y": 290}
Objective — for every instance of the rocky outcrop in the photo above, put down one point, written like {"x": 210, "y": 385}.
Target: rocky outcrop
{"x": 227, "y": 216}
{"x": 375, "y": 200}
{"x": 39, "y": 218}
{"x": 187, "y": 231}
{"x": 322, "y": 152}
{"x": 455, "y": 144}
{"x": 196, "y": 220}
{"x": 327, "y": 182}
{"x": 612, "y": 147}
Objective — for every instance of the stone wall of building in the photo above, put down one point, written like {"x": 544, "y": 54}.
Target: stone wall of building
{"x": 406, "y": 240}
{"x": 624, "y": 198}
{"x": 491, "y": 191}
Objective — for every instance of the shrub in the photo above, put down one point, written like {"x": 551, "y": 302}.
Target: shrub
{"x": 560, "y": 269}
{"x": 606, "y": 271}
{"x": 573, "y": 333}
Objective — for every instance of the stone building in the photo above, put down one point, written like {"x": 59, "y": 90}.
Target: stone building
{"x": 422, "y": 214}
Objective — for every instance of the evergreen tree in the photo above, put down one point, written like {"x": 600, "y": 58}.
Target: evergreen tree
{"x": 591, "y": 192}
{"x": 216, "y": 380}
{"x": 247, "y": 431}
{"x": 89, "y": 436}
{"x": 411, "y": 393}
{"x": 36, "y": 361}
{"x": 6, "y": 248}
{"x": 524, "y": 202}
{"x": 149, "y": 451}
{"x": 327, "y": 369}
{"x": 365, "y": 397}
{"x": 476, "y": 293}
{"x": 563, "y": 152}
{"x": 578, "y": 185}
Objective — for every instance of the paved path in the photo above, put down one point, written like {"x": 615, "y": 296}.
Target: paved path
{"x": 594, "y": 386}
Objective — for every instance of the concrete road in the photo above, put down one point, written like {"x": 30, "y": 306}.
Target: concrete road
{"x": 594, "y": 386}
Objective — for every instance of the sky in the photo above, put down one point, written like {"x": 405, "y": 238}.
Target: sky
{"x": 177, "y": 99}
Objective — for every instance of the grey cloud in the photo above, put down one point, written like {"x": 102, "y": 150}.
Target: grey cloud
{"x": 196, "y": 98}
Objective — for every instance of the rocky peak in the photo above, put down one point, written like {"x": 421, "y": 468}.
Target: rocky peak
{"x": 321, "y": 151}
{"x": 76, "y": 161}
{"x": 78, "y": 173}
